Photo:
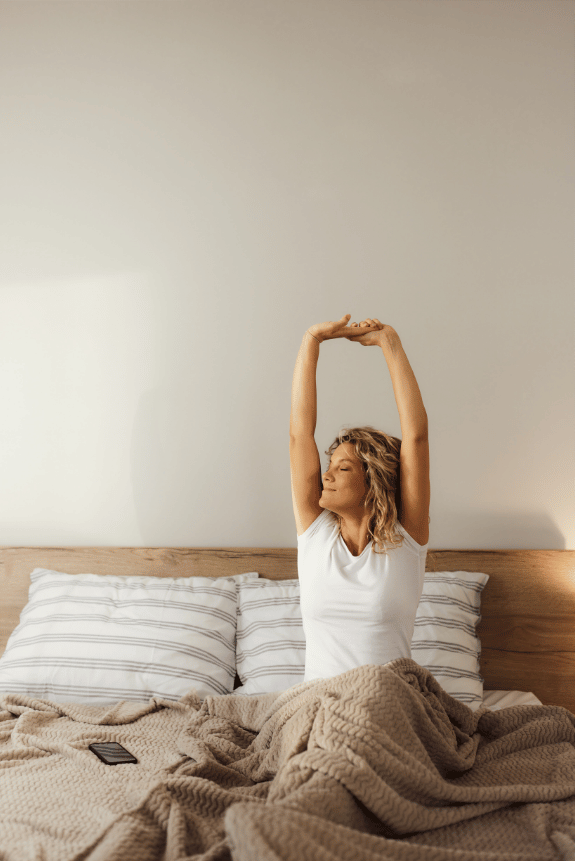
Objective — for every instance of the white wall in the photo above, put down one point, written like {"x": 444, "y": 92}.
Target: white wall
{"x": 186, "y": 187}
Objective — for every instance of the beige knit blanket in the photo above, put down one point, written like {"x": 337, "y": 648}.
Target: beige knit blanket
{"x": 376, "y": 763}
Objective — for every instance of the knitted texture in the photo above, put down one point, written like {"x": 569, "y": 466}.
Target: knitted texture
{"x": 378, "y": 762}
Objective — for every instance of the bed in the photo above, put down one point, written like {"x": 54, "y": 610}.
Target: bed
{"x": 378, "y": 762}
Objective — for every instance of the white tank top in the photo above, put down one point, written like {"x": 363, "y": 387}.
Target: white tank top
{"x": 356, "y": 610}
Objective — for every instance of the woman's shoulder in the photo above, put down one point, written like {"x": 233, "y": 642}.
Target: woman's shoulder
{"x": 324, "y": 517}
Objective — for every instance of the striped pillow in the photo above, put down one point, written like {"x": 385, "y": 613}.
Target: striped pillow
{"x": 89, "y": 638}
{"x": 270, "y": 644}
{"x": 270, "y": 652}
{"x": 444, "y": 639}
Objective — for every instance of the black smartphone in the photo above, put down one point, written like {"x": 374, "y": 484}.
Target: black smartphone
{"x": 112, "y": 753}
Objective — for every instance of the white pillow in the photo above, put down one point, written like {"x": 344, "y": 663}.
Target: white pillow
{"x": 270, "y": 643}
{"x": 270, "y": 634}
{"x": 444, "y": 639}
{"x": 95, "y": 639}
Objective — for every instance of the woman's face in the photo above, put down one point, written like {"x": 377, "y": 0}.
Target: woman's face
{"x": 344, "y": 485}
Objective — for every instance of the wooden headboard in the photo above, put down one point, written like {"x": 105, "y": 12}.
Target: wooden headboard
{"x": 527, "y": 630}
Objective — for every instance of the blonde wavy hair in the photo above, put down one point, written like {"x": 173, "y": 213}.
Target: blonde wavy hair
{"x": 379, "y": 454}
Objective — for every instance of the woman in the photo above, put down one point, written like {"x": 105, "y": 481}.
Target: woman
{"x": 359, "y": 603}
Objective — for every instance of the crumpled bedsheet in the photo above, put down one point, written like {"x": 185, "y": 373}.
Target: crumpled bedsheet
{"x": 376, "y": 763}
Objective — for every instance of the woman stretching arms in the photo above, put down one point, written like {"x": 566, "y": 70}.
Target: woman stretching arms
{"x": 359, "y": 605}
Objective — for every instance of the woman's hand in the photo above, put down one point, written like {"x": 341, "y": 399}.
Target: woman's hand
{"x": 370, "y": 337}
{"x": 340, "y": 329}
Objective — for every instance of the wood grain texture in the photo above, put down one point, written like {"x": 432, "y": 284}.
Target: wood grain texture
{"x": 527, "y": 630}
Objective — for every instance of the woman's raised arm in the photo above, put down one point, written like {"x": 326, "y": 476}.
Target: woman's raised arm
{"x": 303, "y": 418}
{"x": 412, "y": 413}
